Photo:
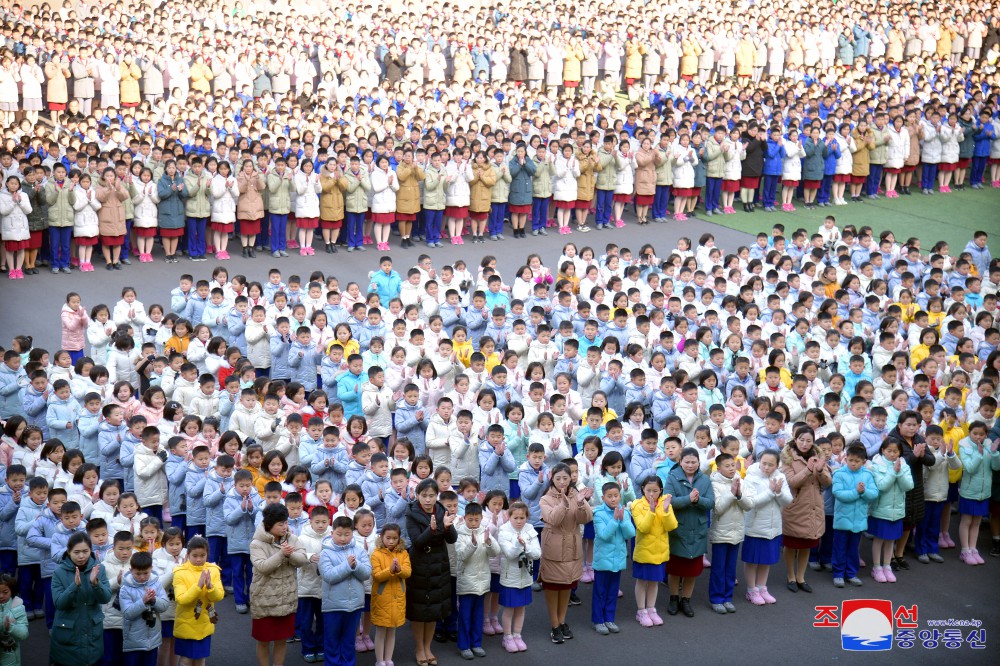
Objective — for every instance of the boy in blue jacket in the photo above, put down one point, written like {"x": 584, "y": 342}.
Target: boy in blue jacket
{"x": 303, "y": 359}
{"x": 195, "y": 478}
{"x": 39, "y": 537}
{"x": 344, "y": 567}
{"x": 216, "y": 314}
{"x": 142, "y": 600}
{"x": 854, "y": 490}
{"x": 496, "y": 462}
{"x": 126, "y": 453}
{"x": 29, "y": 558}
{"x": 329, "y": 461}
{"x": 176, "y": 470}
{"x": 11, "y": 495}
{"x": 774, "y": 155}
{"x": 12, "y": 380}
{"x": 34, "y": 401}
{"x": 375, "y": 485}
{"x": 280, "y": 344}
{"x": 613, "y": 529}
{"x": 60, "y": 417}
{"x": 217, "y": 485}
{"x": 410, "y": 419}
{"x": 240, "y": 509}
{"x": 109, "y": 438}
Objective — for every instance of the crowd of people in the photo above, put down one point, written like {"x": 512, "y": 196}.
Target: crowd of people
{"x": 129, "y": 126}
{"x": 438, "y": 448}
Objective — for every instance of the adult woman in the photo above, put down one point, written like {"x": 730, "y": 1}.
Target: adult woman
{"x": 410, "y": 175}
{"x": 692, "y": 500}
{"x": 428, "y": 595}
{"x": 803, "y": 521}
{"x": 79, "y": 590}
{"x": 522, "y": 170}
{"x": 275, "y": 554}
{"x": 914, "y": 451}
{"x": 645, "y": 179}
{"x": 172, "y": 192}
{"x": 564, "y": 509}
{"x": 111, "y": 217}
{"x": 250, "y": 205}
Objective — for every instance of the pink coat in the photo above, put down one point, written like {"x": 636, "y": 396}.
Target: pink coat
{"x": 74, "y": 328}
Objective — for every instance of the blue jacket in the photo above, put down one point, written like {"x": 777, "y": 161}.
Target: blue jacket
{"x": 475, "y": 324}
{"x": 194, "y": 493}
{"x": 531, "y": 490}
{"x": 126, "y": 456}
{"x": 872, "y": 438}
{"x": 343, "y": 587}
{"x": 216, "y": 317}
{"x": 34, "y": 407}
{"x": 61, "y": 412}
{"x": 850, "y": 509}
{"x": 830, "y": 160}
{"x": 179, "y": 300}
{"x": 227, "y": 403}
{"x": 520, "y": 181}
{"x": 27, "y": 513}
{"x": 8, "y": 516}
{"x": 395, "y": 512}
{"x": 109, "y": 438}
{"x": 387, "y": 286}
{"x": 495, "y": 470}
{"x": 983, "y": 138}
{"x": 981, "y": 257}
{"x": 308, "y": 446}
{"x": 611, "y": 539}
{"x": 194, "y": 308}
{"x": 409, "y": 427}
{"x": 214, "y": 500}
{"x": 237, "y": 330}
{"x": 11, "y": 383}
{"x": 176, "y": 469}
{"x": 303, "y": 368}
{"x": 977, "y": 477}
{"x": 501, "y": 393}
{"x": 774, "y": 153}
{"x": 240, "y": 521}
{"x": 355, "y": 472}
{"x": 60, "y": 537}
{"x": 641, "y": 394}
{"x": 642, "y": 465}
{"x": 279, "y": 357}
{"x": 330, "y": 373}
{"x": 137, "y": 636}
{"x": 371, "y": 485}
{"x": 349, "y": 393}
{"x": 614, "y": 389}
{"x": 40, "y": 538}
{"x": 335, "y": 472}
{"x": 170, "y": 211}
{"x": 369, "y": 331}
{"x": 662, "y": 407}
{"x": 690, "y": 539}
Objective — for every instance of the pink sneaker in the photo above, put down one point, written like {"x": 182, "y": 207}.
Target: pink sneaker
{"x": 753, "y": 596}
{"x": 888, "y": 574}
{"x": 791, "y": 208}
{"x": 293, "y": 245}
{"x": 619, "y": 223}
{"x": 878, "y": 575}
{"x": 509, "y": 644}
{"x": 550, "y": 223}
{"x": 454, "y": 240}
{"x": 369, "y": 643}
{"x": 74, "y": 262}
{"x": 973, "y": 553}
{"x": 947, "y": 537}
{"x": 765, "y": 595}
{"x": 311, "y": 250}
{"x": 786, "y": 207}
{"x": 12, "y": 275}
{"x": 642, "y": 617}
{"x": 497, "y": 627}
{"x": 88, "y": 267}
{"x": 995, "y": 183}
{"x": 891, "y": 194}
{"x": 655, "y": 617}
{"x": 222, "y": 255}
{"x": 705, "y": 562}
{"x": 461, "y": 241}
{"x": 680, "y": 217}
{"x": 366, "y": 240}
{"x": 945, "y": 189}
{"x": 303, "y": 253}
{"x": 966, "y": 556}
{"x": 488, "y": 628}
{"x": 588, "y": 575}
{"x": 521, "y": 646}
{"x": 359, "y": 644}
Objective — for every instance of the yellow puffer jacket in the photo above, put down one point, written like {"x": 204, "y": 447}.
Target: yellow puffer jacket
{"x": 187, "y": 593}
{"x": 652, "y": 545}
{"x": 388, "y": 588}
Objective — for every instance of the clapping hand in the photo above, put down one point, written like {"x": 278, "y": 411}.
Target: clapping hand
{"x": 776, "y": 484}
{"x": 897, "y": 465}
{"x": 352, "y": 561}
{"x": 434, "y": 524}
{"x": 76, "y": 577}
{"x": 287, "y": 549}
{"x": 449, "y": 519}
{"x": 694, "y": 496}
{"x": 735, "y": 487}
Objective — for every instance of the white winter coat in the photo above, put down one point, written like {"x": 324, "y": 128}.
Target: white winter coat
{"x": 258, "y": 345}
{"x": 307, "y": 190}
{"x": 791, "y": 165}
{"x": 685, "y": 160}
{"x": 950, "y": 138}
{"x": 383, "y": 191}
{"x": 474, "y": 559}
{"x": 224, "y": 200}
{"x": 242, "y": 420}
{"x": 121, "y": 317}
{"x": 936, "y": 476}
{"x": 378, "y": 405}
{"x": 764, "y": 519}
{"x": 436, "y": 438}
{"x": 566, "y": 171}
{"x": 898, "y": 149}
{"x": 150, "y": 477}
{"x": 733, "y": 169}
{"x": 121, "y": 367}
{"x": 512, "y": 575}
{"x": 845, "y": 163}
{"x": 930, "y": 145}
{"x": 729, "y": 515}
{"x": 85, "y": 224}
{"x": 310, "y": 584}
{"x": 144, "y": 202}
{"x": 625, "y": 182}
{"x": 457, "y": 192}
{"x": 14, "y": 217}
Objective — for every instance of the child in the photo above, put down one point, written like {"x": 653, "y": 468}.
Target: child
{"x": 150, "y": 472}
{"x": 240, "y": 509}
{"x": 653, "y": 519}
{"x": 726, "y": 530}
{"x": 854, "y": 488}
{"x": 165, "y": 559}
{"x": 115, "y": 566}
{"x": 613, "y": 529}
{"x": 885, "y": 524}
{"x": 12, "y": 493}
{"x": 762, "y": 544}
{"x": 142, "y": 600}
{"x": 473, "y": 551}
{"x": 343, "y": 566}
{"x": 38, "y": 536}
{"x": 935, "y": 494}
{"x": 519, "y": 548}
{"x": 197, "y": 588}
{"x": 13, "y": 621}
{"x": 979, "y": 460}
{"x": 390, "y": 568}
{"x": 309, "y": 616}
{"x": 81, "y": 585}
{"x": 366, "y": 537}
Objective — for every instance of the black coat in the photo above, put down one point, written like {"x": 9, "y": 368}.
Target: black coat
{"x": 915, "y": 497}
{"x": 428, "y": 591}
{"x": 753, "y": 163}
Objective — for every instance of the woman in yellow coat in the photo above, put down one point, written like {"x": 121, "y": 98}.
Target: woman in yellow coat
{"x": 129, "y": 75}
{"x": 390, "y": 569}
{"x": 197, "y": 587}
{"x": 634, "y": 51}
{"x": 572, "y": 64}
{"x": 690, "y": 50}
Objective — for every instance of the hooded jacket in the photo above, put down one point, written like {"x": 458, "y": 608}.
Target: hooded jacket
{"x": 137, "y": 636}
{"x": 389, "y": 587}
{"x": 343, "y": 585}
{"x": 77, "y": 634}
{"x": 474, "y": 559}
{"x": 274, "y": 590}
{"x": 193, "y": 621}
{"x": 240, "y": 521}
{"x": 216, "y": 488}
{"x": 764, "y": 519}
{"x": 611, "y": 538}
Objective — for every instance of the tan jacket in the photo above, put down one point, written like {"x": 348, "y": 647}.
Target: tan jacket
{"x": 481, "y": 188}
{"x": 331, "y": 198}
{"x": 129, "y": 76}
{"x": 865, "y": 143}
{"x": 804, "y": 517}
{"x": 274, "y": 590}
{"x": 645, "y": 175}
{"x": 251, "y": 203}
{"x": 562, "y": 541}
{"x": 111, "y": 216}
{"x": 57, "y": 90}
{"x": 408, "y": 196}
{"x": 587, "y": 182}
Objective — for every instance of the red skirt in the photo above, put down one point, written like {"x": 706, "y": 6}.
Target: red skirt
{"x": 86, "y": 241}
{"x": 992, "y": 160}
{"x": 177, "y": 233}
{"x": 894, "y": 170}
{"x": 798, "y": 543}
{"x": 520, "y": 210}
{"x": 622, "y": 198}
{"x": 644, "y": 200}
{"x": 249, "y": 227}
{"x": 330, "y": 224}
{"x": 842, "y": 178}
{"x": 223, "y": 227}
{"x": 964, "y": 162}
{"x": 948, "y": 167}
{"x": 685, "y": 567}
{"x": 910, "y": 168}
{"x": 479, "y": 217}
{"x": 368, "y": 216}
{"x": 790, "y": 183}
{"x": 566, "y": 205}
{"x": 749, "y": 183}
{"x": 307, "y": 222}
{"x": 730, "y": 186}
{"x": 582, "y": 204}
{"x": 35, "y": 242}
{"x": 145, "y": 232}
{"x": 383, "y": 218}
{"x": 812, "y": 184}
{"x": 571, "y": 84}
{"x": 57, "y": 106}
{"x": 16, "y": 246}
{"x": 267, "y": 629}
{"x": 557, "y": 587}
{"x": 112, "y": 241}
{"x": 686, "y": 191}
{"x": 456, "y": 211}
{"x": 406, "y": 217}
{"x": 858, "y": 180}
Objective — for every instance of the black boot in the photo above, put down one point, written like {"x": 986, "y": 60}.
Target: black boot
{"x": 672, "y": 604}
{"x": 250, "y": 251}
{"x": 244, "y": 251}
{"x": 686, "y": 607}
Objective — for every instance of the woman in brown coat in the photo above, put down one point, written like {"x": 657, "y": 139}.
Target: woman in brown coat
{"x": 481, "y": 195}
{"x": 111, "y": 217}
{"x": 129, "y": 75}
{"x": 915, "y": 128}
{"x": 691, "y": 49}
{"x": 803, "y": 521}
{"x": 864, "y": 141}
{"x": 645, "y": 179}
{"x": 57, "y": 90}
{"x": 586, "y": 184}
{"x": 250, "y": 205}
{"x": 331, "y": 204}
{"x": 564, "y": 509}
{"x": 410, "y": 176}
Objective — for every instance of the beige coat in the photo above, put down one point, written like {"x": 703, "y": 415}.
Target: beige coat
{"x": 408, "y": 196}
{"x": 111, "y": 216}
{"x": 56, "y": 88}
{"x": 274, "y": 590}
{"x": 251, "y": 203}
{"x": 562, "y": 541}
{"x": 804, "y": 517}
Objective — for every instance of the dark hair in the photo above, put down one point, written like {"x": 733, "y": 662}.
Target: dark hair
{"x": 274, "y": 514}
{"x": 76, "y": 538}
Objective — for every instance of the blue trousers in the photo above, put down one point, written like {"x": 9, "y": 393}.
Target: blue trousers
{"x": 50, "y": 606}
{"x": 661, "y": 201}
{"x": 978, "y": 170}
{"x": 928, "y": 176}
{"x": 59, "y": 240}
{"x": 825, "y": 187}
{"x": 242, "y": 575}
{"x": 605, "y": 596}
{"x": 196, "y": 236}
{"x": 723, "y": 578}
{"x": 355, "y": 228}
{"x": 824, "y": 553}
{"x": 498, "y": 211}
{"x": 433, "y": 220}
{"x": 191, "y": 530}
{"x": 874, "y": 179}
{"x": 309, "y": 624}
{"x": 127, "y": 246}
{"x": 846, "y": 553}
{"x": 605, "y": 207}
{"x": 279, "y": 226}
{"x": 178, "y": 520}
{"x": 713, "y": 188}
{"x": 155, "y": 511}
{"x": 515, "y": 490}
{"x": 470, "y": 621}
{"x": 926, "y": 541}
{"x": 770, "y": 190}
{"x": 419, "y": 226}
{"x": 8, "y": 562}
{"x": 143, "y": 658}
{"x": 219, "y": 554}
{"x": 113, "y": 655}
{"x": 539, "y": 213}
{"x": 263, "y": 238}
{"x": 339, "y": 629}
{"x": 451, "y": 622}
{"x": 29, "y": 586}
